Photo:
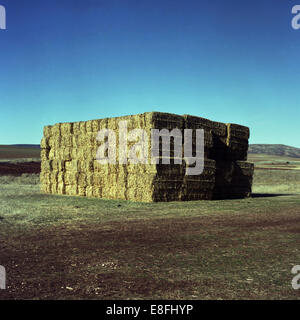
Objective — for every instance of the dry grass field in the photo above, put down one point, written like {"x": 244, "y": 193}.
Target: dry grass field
{"x": 61, "y": 247}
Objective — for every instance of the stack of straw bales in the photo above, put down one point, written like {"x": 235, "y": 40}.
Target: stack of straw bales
{"x": 233, "y": 175}
{"x": 69, "y": 165}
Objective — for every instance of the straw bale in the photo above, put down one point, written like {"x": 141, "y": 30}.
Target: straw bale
{"x": 139, "y": 121}
{"x": 54, "y": 186}
{"x": 58, "y": 153}
{"x": 71, "y": 178}
{"x": 140, "y": 189}
{"x": 90, "y": 179}
{"x": 219, "y": 149}
{"x": 246, "y": 168}
{"x": 96, "y": 125}
{"x": 67, "y": 141}
{"x": 209, "y": 140}
{"x": 217, "y": 128}
{"x": 104, "y": 169}
{"x": 53, "y": 177}
{"x": 166, "y": 169}
{"x": 109, "y": 186}
{"x": 75, "y": 140}
{"x": 165, "y": 152}
{"x": 90, "y": 153}
{"x": 71, "y": 190}
{"x": 81, "y": 152}
{"x": 81, "y": 191}
{"x": 93, "y": 152}
{"x": 113, "y": 169}
{"x": 144, "y": 195}
{"x": 93, "y": 192}
{"x": 132, "y": 194}
{"x": 103, "y": 123}
{"x": 112, "y": 124}
{"x": 121, "y": 193}
{"x": 76, "y": 128}
{"x": 233, "y": 179}
{"x": 60, "y": 177}
{"x": 89, "y": 191}
{"x": 165, "y": 197}
{"x": 133, "y": 122}
{"x": 198, "y": 185}
{"x": 145, "y": 179}
{"x": 138, "y": 169}
{"x": 238, "y": 131}
{"x": 55, "y": 130}
{"x": 81, "y": 164}
{"x": 89, "y": 165}
{"x": 54, "y": 141}
{"x": 169, "y": 121}
{"x": 52, "y": 154}
{"x": 122, "y": 173}
{"x": 242, "y": 181}
{"x": 65, "y": 154}
{"x": 74, "y": 153}
{"x": 45, "y": 154}
{"x": 82, "y": 128}
{"x": 97, "y": 192}
{"x": 66, "y": 128}
{"x": 72, "y": 165}
{"x": 171, "y": 117}
{"x": 46, "y": 188}
{"x": 61, "y": 188}
{"x": 78, "y": 153}
{"x": 45, "y": 143}
{"x": 215, "y": 135}
{"x": 89, "y": 139}
{"x": 46, "y": 166}
{"x": 98, "y": 167}
{"x": 191, "y": 196}
{"x": 82, "y": 181}
{"x": 47, "y": 131}
{"x": 168, "y": 185}
{"x": 58, "y": 165}
{"x": 45, "y": 178}
{"x": 209, "y": 167}
{"x": 237, "y": 142}
{"x": 89, "y": 126}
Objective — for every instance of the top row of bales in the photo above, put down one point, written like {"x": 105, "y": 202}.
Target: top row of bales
{"x": 222, "y": 141}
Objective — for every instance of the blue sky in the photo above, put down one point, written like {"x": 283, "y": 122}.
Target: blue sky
{"x": 71, "y": 60}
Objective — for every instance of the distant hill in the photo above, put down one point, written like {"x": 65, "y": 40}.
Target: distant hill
{"x": 26, "y": 145}
{"x": 275, "y": 149}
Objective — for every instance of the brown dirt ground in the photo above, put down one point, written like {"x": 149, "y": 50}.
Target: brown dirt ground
{"x": 18, "y": 169}
{"x": 43, "y": 263}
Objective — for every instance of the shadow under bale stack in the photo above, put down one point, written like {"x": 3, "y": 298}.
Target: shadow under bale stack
{"x": 70, "y": 166}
